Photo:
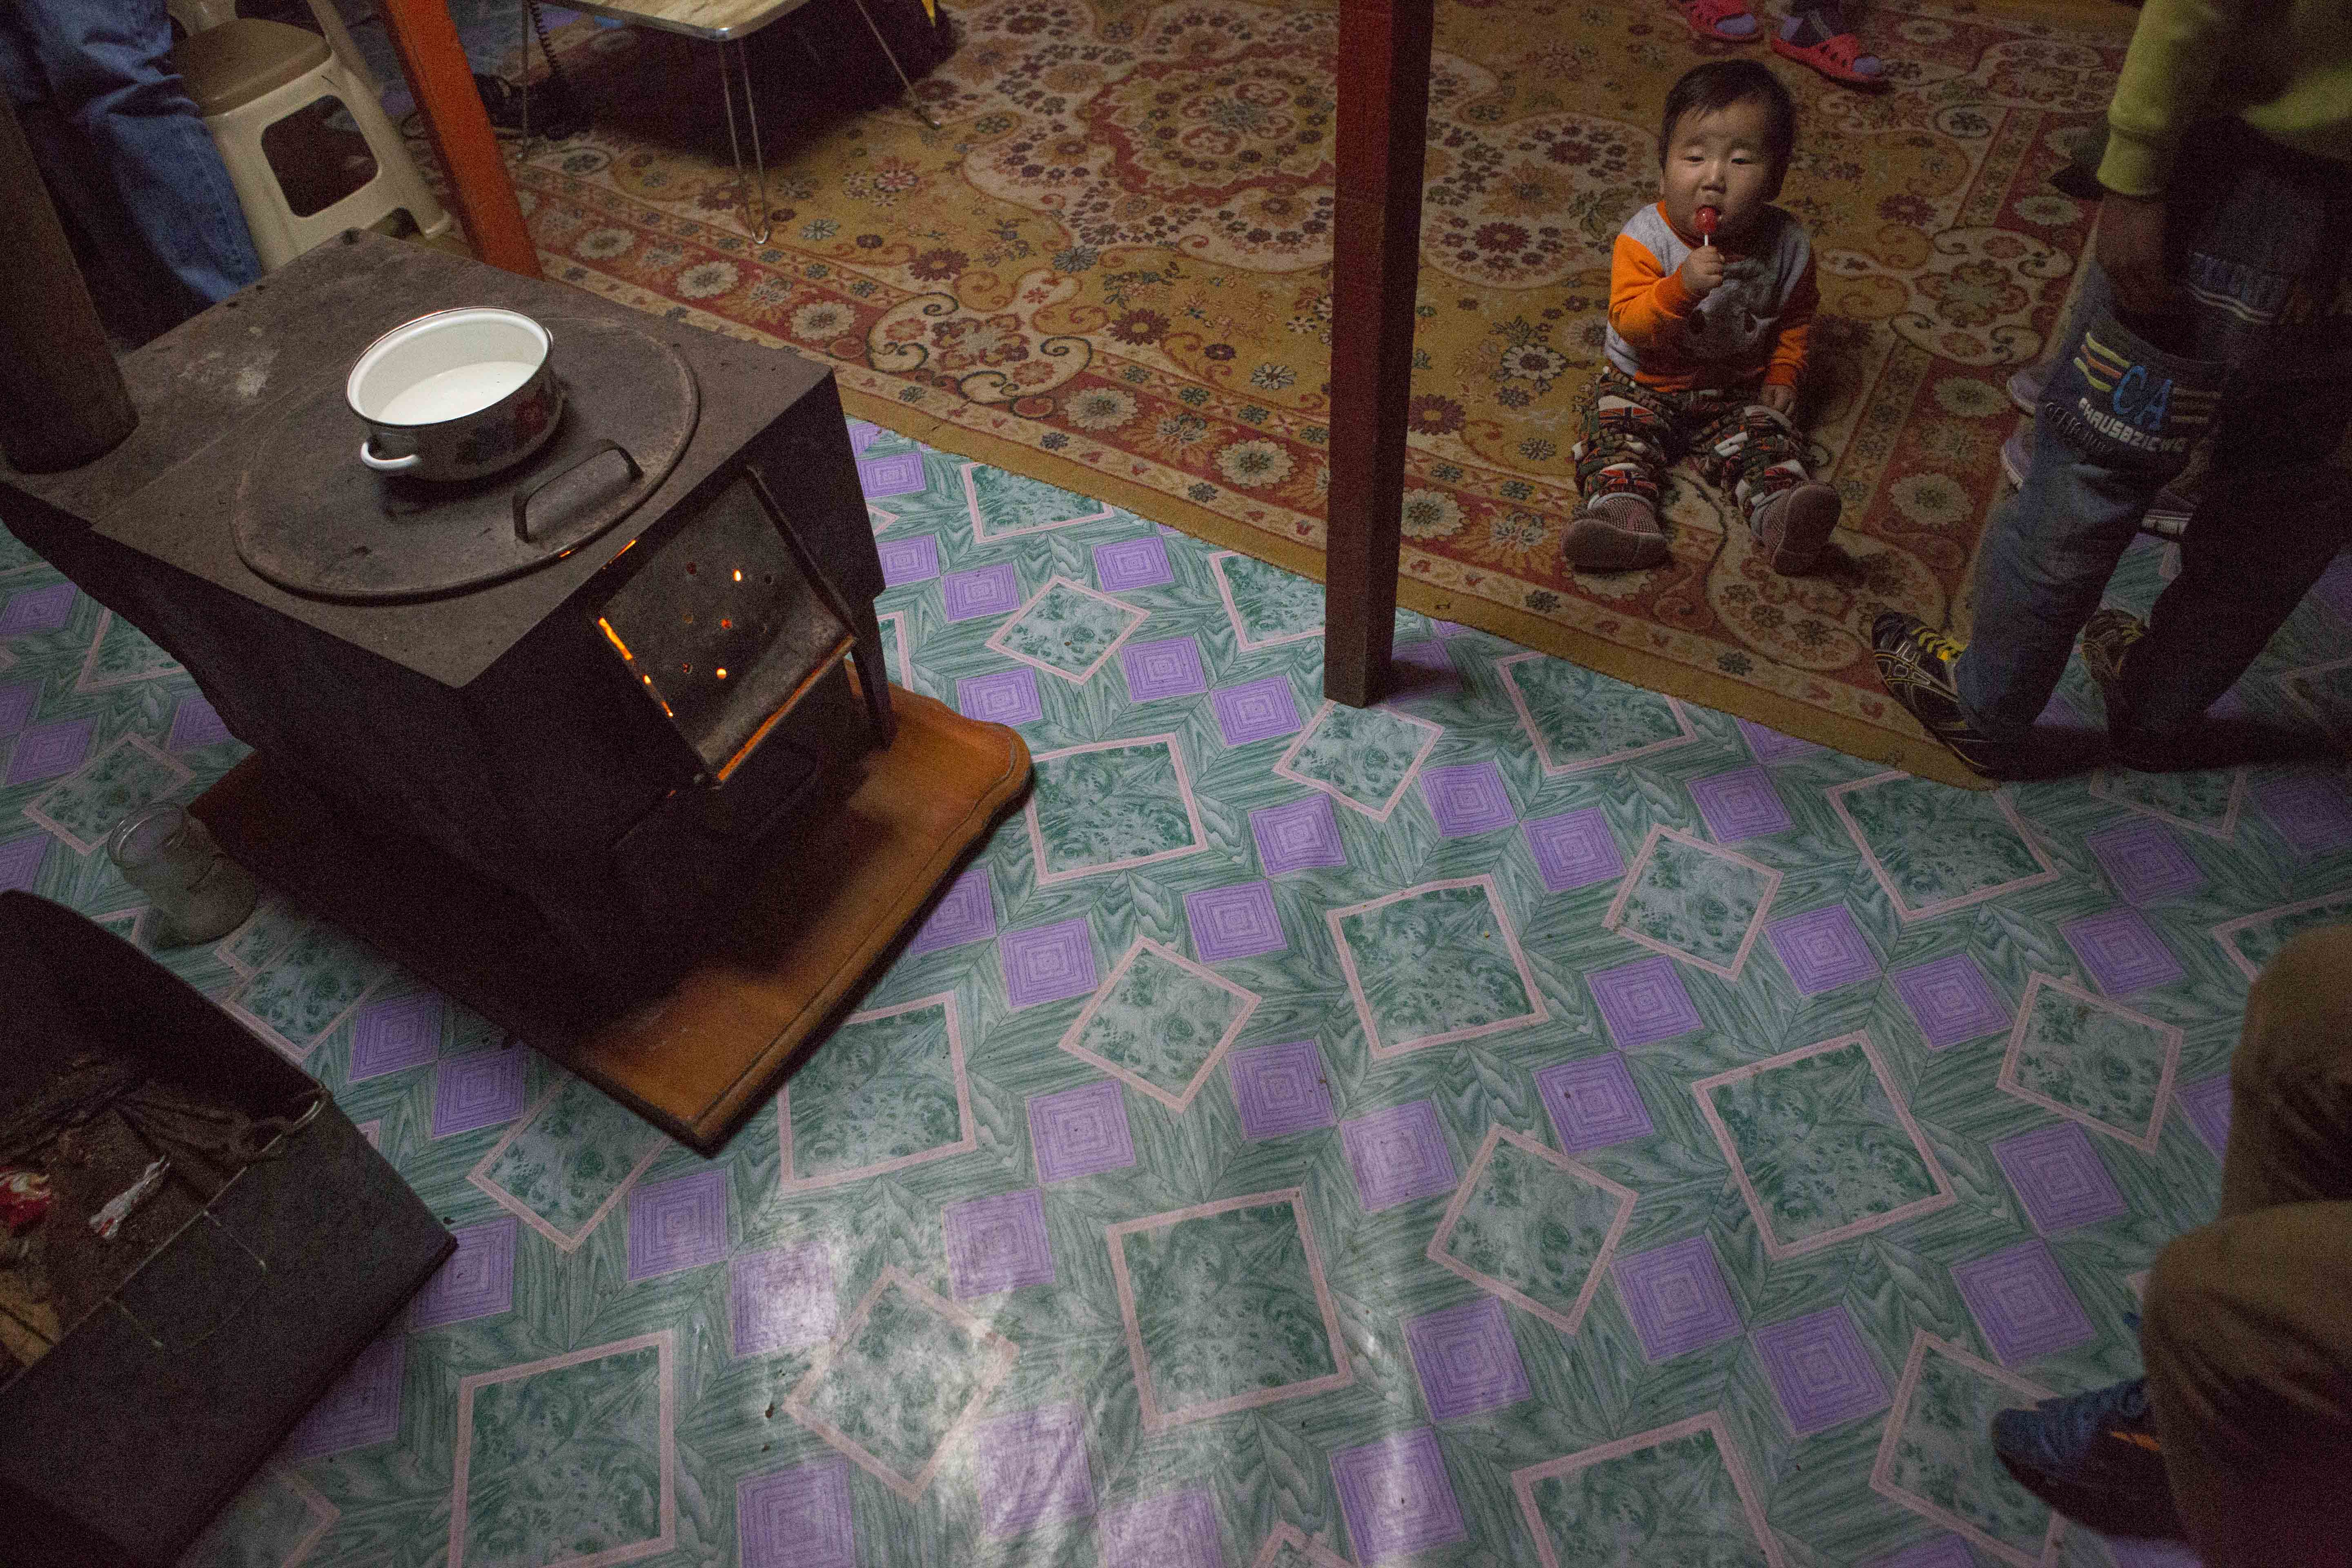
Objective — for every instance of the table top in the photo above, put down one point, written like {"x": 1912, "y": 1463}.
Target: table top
{"x": 714, "y": 19}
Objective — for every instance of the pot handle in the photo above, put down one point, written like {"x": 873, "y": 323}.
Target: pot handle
{"x": 387, "y": 465}
{"x": 522, "y": 497}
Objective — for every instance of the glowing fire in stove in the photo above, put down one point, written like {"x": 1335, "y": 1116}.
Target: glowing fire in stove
{"x": 614, "y": 639}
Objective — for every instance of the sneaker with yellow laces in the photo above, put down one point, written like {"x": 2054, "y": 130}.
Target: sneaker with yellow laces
{"x": 2107, "y": 638}
{"x": 1915, "y": 664}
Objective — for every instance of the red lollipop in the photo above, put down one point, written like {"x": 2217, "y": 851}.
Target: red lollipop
{"x": 1706, "y": 218}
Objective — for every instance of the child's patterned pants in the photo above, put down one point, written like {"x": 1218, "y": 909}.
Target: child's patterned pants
{"x": 1631, "y": 433}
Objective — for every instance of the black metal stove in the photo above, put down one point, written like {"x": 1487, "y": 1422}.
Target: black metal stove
{"x": 598, "y": 679}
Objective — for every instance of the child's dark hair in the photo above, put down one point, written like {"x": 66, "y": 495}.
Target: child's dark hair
{"x": 1719, "y": 84}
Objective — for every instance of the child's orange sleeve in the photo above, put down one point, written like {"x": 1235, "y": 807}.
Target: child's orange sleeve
{"x": 1787, "y": 361}
{"x": 1646, "y": 303}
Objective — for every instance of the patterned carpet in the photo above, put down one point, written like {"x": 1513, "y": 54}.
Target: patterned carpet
{"x": 1110, "y": 271}
{"x": 1536, "y": 1120}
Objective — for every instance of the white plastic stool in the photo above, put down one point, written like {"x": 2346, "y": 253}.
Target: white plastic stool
{"x": 196, "y": 15}
{"x": 247, "y": 75}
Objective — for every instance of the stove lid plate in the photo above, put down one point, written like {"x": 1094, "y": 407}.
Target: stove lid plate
{"x": 310, "y": 517}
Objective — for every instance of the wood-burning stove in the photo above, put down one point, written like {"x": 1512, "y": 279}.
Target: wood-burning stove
{"x": 604, "y": 713}
{"x": 594, "y": 690}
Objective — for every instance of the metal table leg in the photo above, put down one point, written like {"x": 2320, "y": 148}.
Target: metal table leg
{"x": 891, "y": 55}
{"x": 756, "y": 221}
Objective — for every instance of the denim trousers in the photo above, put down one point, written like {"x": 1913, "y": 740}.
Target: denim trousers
{"x": 2255, "y": 362}
{"x": 103, "y": 66}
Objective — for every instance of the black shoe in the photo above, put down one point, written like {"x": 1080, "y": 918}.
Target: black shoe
{"x": 2107, "y": 640}
{"x": 2096, "y": 1459}
{"x": 1915, "y": 664}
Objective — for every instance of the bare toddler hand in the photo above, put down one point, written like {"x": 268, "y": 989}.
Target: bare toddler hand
{"x": 1702, "y": 270}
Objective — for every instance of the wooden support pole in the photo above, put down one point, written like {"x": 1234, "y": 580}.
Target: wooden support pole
{"x": 1376, "y": 258}
{"x": 443, "y": 85}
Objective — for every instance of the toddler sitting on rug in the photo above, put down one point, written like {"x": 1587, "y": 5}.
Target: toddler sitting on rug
{"x": 1710, "y": 296}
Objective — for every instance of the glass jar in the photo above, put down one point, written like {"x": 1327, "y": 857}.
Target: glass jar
{"x": 200, "y": 894}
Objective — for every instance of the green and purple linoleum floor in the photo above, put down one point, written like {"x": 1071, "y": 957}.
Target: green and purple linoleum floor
{"x": 1533, "y": 1121}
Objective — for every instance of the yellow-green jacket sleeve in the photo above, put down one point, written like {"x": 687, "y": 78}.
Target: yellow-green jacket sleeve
{"x": 2281, "y": 67}
{"x": 2177, "y": 52}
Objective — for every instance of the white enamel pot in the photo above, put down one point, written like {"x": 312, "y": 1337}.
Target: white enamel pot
{"x": 457, "y": 395}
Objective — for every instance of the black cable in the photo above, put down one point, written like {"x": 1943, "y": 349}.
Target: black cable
{"x": 562, "y": 118}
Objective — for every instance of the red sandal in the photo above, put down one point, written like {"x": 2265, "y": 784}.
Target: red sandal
{"x": 1834, "y": 57}
{"x": 1706, "y": 18}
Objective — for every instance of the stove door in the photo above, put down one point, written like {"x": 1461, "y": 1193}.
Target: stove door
{"x": 683, "y": 862}
{"x": 727, "y": 625}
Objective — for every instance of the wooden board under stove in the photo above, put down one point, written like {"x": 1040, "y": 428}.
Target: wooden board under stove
{"x": 821, "y": 918}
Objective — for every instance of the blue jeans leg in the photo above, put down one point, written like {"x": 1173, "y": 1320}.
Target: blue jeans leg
{"x": 2258, "y": 539}
{"x": 2273, "y": 511}
{"x": 2047, "y": 555}
{"x": 2257, "y": 236}
{"x": 106, "y": 67}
